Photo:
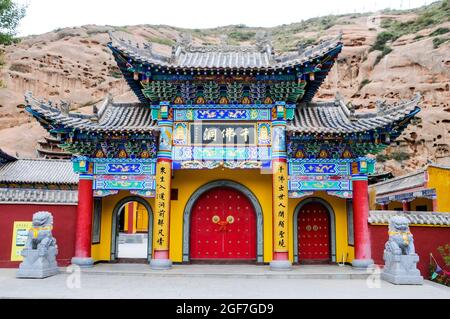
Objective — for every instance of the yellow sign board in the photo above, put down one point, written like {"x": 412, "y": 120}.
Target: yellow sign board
{"x": 162, "y": 203}
{"x": 280, "y": 206}
{"x": 19, "y": 238}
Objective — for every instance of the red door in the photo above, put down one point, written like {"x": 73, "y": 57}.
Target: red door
{"x": 313, "y": 231}
{"x": 223, "y": 226}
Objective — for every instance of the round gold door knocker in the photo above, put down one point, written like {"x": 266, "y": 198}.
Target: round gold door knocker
{"x": 308, "y": 228}
{"x": 315, "y": 227}
{"x": 215, "y": 219}
{"x": 230, "y": 219}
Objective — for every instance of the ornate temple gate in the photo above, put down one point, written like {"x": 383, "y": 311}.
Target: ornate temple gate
{"x": 223, "y": 226}
{"x": 245, "y": 109}
{"x": 313, "y": 233}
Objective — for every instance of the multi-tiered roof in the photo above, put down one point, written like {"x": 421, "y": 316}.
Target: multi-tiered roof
{"x": 216, "y": 76}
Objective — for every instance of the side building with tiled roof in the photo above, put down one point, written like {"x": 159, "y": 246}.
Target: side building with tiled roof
{"x": 31, "y": 185}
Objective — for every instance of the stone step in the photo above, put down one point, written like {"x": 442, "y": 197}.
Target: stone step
{"x": 261, "y": 272}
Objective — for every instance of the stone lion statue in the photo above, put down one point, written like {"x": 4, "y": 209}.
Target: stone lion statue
{"x": 40, "y": 249}
{"x": 40, "y": 235}
{"x": 400, "y": 238}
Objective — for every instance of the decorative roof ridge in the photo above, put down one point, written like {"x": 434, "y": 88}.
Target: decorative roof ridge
{"x": 348, "y": 109}
{"x": 43, "y": 159}
{"x": 305, "y": 53}
{"x": 146, "y": 54}
{"x": 63, "y": 109}
{"x": 415, "y": 217}
{"x": 6, "y": 156}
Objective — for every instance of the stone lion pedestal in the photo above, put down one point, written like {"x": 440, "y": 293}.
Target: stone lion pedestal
{"x": 399, "y": 255}
{"x": 40, "y": 249}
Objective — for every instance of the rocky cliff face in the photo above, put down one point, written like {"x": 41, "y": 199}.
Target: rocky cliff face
{"x": 75, "y": 65}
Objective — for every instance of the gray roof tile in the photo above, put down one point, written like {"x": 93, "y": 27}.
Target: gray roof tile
{"x": 38, "y": 196}
{"x": 224, "y": 56}
{"x": 336, "y": 117}
{"x": 112, "y": 117}
{"x": 405, "y": 182}
{"x": 43, "y": 171}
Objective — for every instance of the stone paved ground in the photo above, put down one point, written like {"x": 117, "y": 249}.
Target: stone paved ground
{"x": 98, "y": 285}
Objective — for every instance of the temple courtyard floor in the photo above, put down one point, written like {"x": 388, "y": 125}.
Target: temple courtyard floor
{"x": 212, "y": 281}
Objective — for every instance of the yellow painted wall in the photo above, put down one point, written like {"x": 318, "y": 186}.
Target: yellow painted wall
{"x": 422, "y": 202}
{"x": 141, "y": 218}
{"x": 188, "y": 181}
{"x": 102, "y": 251}
{"x": 439, "y": 179}
{"x": 340, "y": 212}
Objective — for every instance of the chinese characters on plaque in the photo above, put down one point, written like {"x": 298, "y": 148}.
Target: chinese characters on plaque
{"x": 162, "y": 203}
{"x": 223, "y": 134}
{"x": 280, "y": 205}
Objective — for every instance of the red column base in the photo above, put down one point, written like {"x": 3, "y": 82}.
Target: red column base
{"x": 280, "y": 262}
{"x": 160, "y": 260}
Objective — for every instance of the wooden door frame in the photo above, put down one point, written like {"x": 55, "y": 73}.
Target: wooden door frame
{"x": 216, "y": 184}
{"x": 115, "y": 234}
{"x": 332, "y": 228}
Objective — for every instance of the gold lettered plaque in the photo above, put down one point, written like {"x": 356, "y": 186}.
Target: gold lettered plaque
{"x": 280, "y": 205}
{"x": 162, "y": 203}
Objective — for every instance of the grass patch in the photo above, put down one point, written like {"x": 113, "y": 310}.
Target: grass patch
{"x": 382, "y": 39}
{"x": 400, "y": 156}
{"x": 386, "y": 50}
{"x": 21, "y": 68}
{"x": 382, "y": 158}
{"x": 162, "y": 41}
{"x": 428, "y": 17}
{"x": 439, "y": 31}
{"x": 241, "y": 36}
{"x": 438, "y": 41}
{"x": 363, "y": 83}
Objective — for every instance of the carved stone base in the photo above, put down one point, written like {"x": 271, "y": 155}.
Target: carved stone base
{"x": 280, "y": 265}
{"x": 161, "y": 264}
{"x": 36, "y": 266}
{"x": 83, "y": 262}
{"x": 401, "y": 269}
{"x": 362, "y": 264}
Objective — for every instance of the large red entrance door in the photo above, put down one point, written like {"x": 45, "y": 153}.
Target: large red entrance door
{"x": 223, "y": 226}
{"x": 313, "y": 231}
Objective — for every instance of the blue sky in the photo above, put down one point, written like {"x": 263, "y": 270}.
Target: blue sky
{"x": 47, "y": 15}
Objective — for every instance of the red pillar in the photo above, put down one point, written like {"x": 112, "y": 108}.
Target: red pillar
{"x": 360, "y": 223}
{"x": 83, "y": 236}
{"x": 130, "y": 221}
{"x": 406, "y": 206}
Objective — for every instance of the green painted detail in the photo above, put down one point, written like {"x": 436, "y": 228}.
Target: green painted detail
{"x": 159, "y": 91}
{"x": 290, "y": 114}
{"x": 211, "y": 91}
{"x": 290, "y": 92}
{"x": 235, "y": 91}
{"x": 155, "y": 114}
{"x": 80, "y": 166}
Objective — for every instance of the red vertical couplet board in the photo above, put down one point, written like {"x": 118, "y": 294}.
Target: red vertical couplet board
{"x": 223, "y": 226}
{"x": 313, "y": 231}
